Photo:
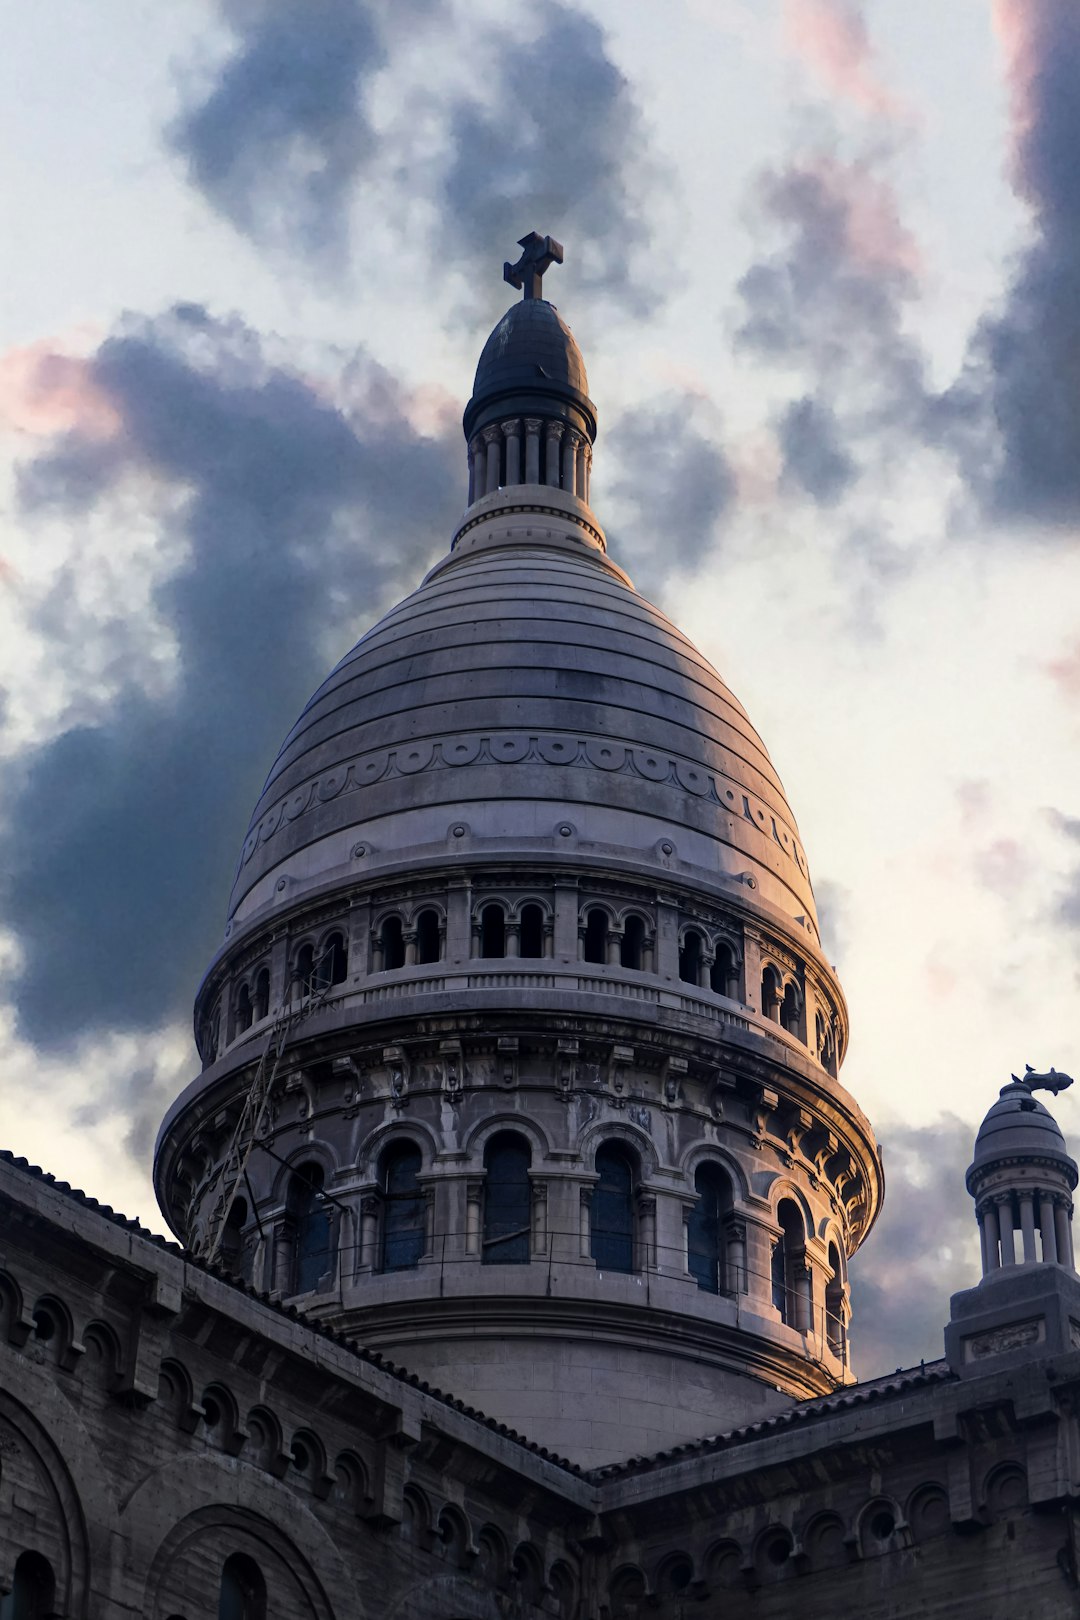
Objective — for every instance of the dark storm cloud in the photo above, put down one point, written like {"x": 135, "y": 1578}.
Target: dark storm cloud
{"x": 296, "y": 518}
{"x": 557, "y": 144}
{"x": 676, "y": 482}
{"x": 923, "y": 1249}
{"x": 814, "y": 458}
{"x": 283, "y": 132}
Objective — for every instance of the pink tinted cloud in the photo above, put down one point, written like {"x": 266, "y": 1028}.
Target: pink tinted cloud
{"x": 875, "y": 237}
{"x": 1065, "y": 672}
{"x": 43, "y": 392}
{"x": 831, "y": 38}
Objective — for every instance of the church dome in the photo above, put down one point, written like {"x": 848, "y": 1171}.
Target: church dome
{"x": 1018, "y": 1126}
{"x": 532, "y": 365}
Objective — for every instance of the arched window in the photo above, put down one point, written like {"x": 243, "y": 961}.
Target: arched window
{"x": 790, "y": 1010}
{"x": 632, "y": 946}
{"x": 403, "y": 1209}
{"x": 532, "y": 931}
{"x": 393, "y": 944}
{"x": 507, "y": 1201}
{"x": 771, "y": 994}
{"x": 334, "y": 961}
{"x": 305, "y": 970}
{"x": 724, "y": 974}
{"x": 244, "y": 1012}
{"x": 428, "y": 941}
{"x": 705, "y": 1228}
{"x": 309, "y": 1215}
{"x": 834, "y": 1304}
{"x": 262, "y": 993}
{"x": 612, "y": 1216}
{"x": 786, "y": 1256}
{"x": 33, "y": 1590}
{"x": 493, "y": 931}
{"x": 596, "y": 932}
{"x": 232, "y": 1240}
{"x": 826, "y": 1044}
{"x": 690, "y": 957}
{"x": 243, "y": 1590}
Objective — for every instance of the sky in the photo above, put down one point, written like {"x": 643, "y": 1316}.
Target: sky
{"x": 823, "y": 260}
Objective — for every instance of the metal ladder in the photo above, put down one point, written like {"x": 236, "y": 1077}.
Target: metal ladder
{"x": 249, "y": 1127}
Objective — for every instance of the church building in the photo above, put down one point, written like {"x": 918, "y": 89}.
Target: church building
{"x": 515, "y": 1198}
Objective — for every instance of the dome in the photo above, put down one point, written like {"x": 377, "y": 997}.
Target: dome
{"x": 525, "y": 700}
{"x": 531, "y": 364}
{"x": 1018, "y": 1126}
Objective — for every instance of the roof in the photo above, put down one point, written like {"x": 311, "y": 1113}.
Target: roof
{"x": 530, "y": 365}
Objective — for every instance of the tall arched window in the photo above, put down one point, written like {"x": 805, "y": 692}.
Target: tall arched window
{"x": 596, "y": 932}
{"x": 632, "y": 946}
{"x": 334, "y": 961}
{"x": 393, "y": 944}
{"x": 507, "y": 1201}
{"x": 771, "y": 994}
{"x": 493, "y": 931}
{"x": 790, "y": 1010}
{"x": 705, "y": 1228}
{"x": 428, "y": 941}
{"x": 532, "y": 931}
{"x": 262, "y": 993}
{"x": 724, "y": 974}
{"x": 244, "y": 1012}
{"x": 690, "y": 957}
{"x": 305, "y": 970}
{"x": 403, "y": 1209}
{"x": 33, "y": 1590}
{"x": 309, "y": 1215}
{"x": 834, "y": 1304}
{"x": 243, "y": 1590}
{"x": 612, "y": 1213}
{"x": 786, "y": 1255}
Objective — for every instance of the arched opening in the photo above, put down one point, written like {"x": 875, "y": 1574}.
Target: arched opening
{"x": 826, "y": 1043}
{"x": 428, "y": 942}
{"x": 231, "y": 1250}
{"x": 305, "y": 970}
{"x": 532, "y": 931}
{"x": 771, "y": 994}
{"x": 632, "y": 945}
{"x": 834, "y": 1304}
{"x": 612, "y": 1216}
{"x": 392, "y": 940}
{"x": 594, "y": 948}
{"x": 690, "y": 957}
{"x": 243, "y": 1590}
{"x": 334, "y": 961}
{"x": 309, "y": 1215}
{"x": 262, "y": 993}
{"x": 244, "y": 1012}
{"x": 507, "y": 1201}
{"x": 403, "y": 1209}
{"x": 787, "y": 1263}
{"x": 493, "y": 931}
{"x": 724, "y": 973}
{"x": 33, "y": 1590}
{"x": 705, "y": 1228}
{"x": 791, "y": 1009}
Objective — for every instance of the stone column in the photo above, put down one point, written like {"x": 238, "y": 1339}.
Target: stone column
{"x": 581, "y": 485}
{"x": 513, "y": 936}
{"x": 803, "y": 1279}
{"x": 570, "y": 461}
{"x": 493, "y": 438}
{"x": 614, "y": 948}
{"x": 648, "y": 954}
{"x": 988, "y": 1232}
{"x": 376, "y": 950}
{"x": 1046, "y": 1226}
{"x": 1063, "y": 1233}
{"x": 646, "y": 1244}
{"x": 1027, "y": 1226}
{"x": 735, "y": 1279}
{"x": 477, "y": 469}
{"x": 369, "y": 1231}
{"x": 1003, "y": 1204}
{"x": 474, "y": 1198}
{"x": 409, "y": 938}
{"x": 554, "y": 434}
{"x": 588, "y": 472}
{"x": 585, "y": 1224}
{"x": 512, "y": 435}
{"x": 539, "y": 1217}
{"x": 533, "y": 427}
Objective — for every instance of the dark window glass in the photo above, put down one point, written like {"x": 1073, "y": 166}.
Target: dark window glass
{"x": 403, "y": 1210}
{"x": 596, "y": 929}
{"x": 613, "y": 1210}
{"x": 310, "y": 1213}
{"x": 243, "y": 1590}
{"x": 722, "y": 972}
{"x": 789, "y": 1011}
{"x": 532, "y": 931}
{"x": 262, "y": 994}
{"x": 393, "y": 944}
{"x": 305, "y": 970}
{"x": 427, "y": 937}
{"x": 507, "y": 1202}
{"x": 786, "y": 1254}
{"x": 32, "y": 1595}
{"x": 633, "y": 942}
{"x": 690, "y": 957}
{"x": 493, "y": 931}
{"x": 243, "y": 1009}
{"x": 705, "y": 1228}
{"x": 334, "y": 963}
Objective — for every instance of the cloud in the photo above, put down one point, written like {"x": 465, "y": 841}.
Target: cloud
{"x": 557, "y": 144}
{"x": 814, "y": 458}
{"x": 832, "y": 39}
{"x": 924, "y": 1248}
{"x": 43, "y": 392}
{"x": 296, "y": 510}
{"x": 833, "y": 902}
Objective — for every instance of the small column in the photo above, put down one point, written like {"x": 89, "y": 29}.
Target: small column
{"x": 493, "y": 438}
{"x": 539, "y": 1217}
{"x": 646, "y": 1256}
{"x": 704, "y": 971}
{"x": 512, "y": 435}
{"x": 1027, "y": 1226}
{"x": 533, "y": 428}
{"x": 1046, "y": 1226}
{"x": 585, "y": 1224}
{"x": 735, "y": 1281}
{"x": 614, "y": 948}
{"x": 376, "y": 950}
{"x": 648, "y": 954}
{"x": 409, "y": 938}
{"x": 587, "y": 486}
{"x": 988, "y": 1232}
{"x": 513, "y": 937}
{"x": 554, "y": 434}
{"x": 569, "y": 461}
{"x": 477, "y": 469}
{"x": 804, "y": 1297}
{"x": 581, "y": 484}
{"x": 1063, "y": 1233}
{"x": 474, "y": 1194}
{"x": 1003, "y": 1205}
{"x": 369, "y": 1230}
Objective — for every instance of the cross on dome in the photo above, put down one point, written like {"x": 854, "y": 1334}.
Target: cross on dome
{"x": 538, "y": 255}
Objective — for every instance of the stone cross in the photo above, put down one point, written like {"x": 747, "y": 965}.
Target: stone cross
{"x": 539, "y": 254}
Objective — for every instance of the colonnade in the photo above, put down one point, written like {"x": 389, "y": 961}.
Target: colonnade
{"x": 1043, "y": 1221}
{"x": 529, "y": 450}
